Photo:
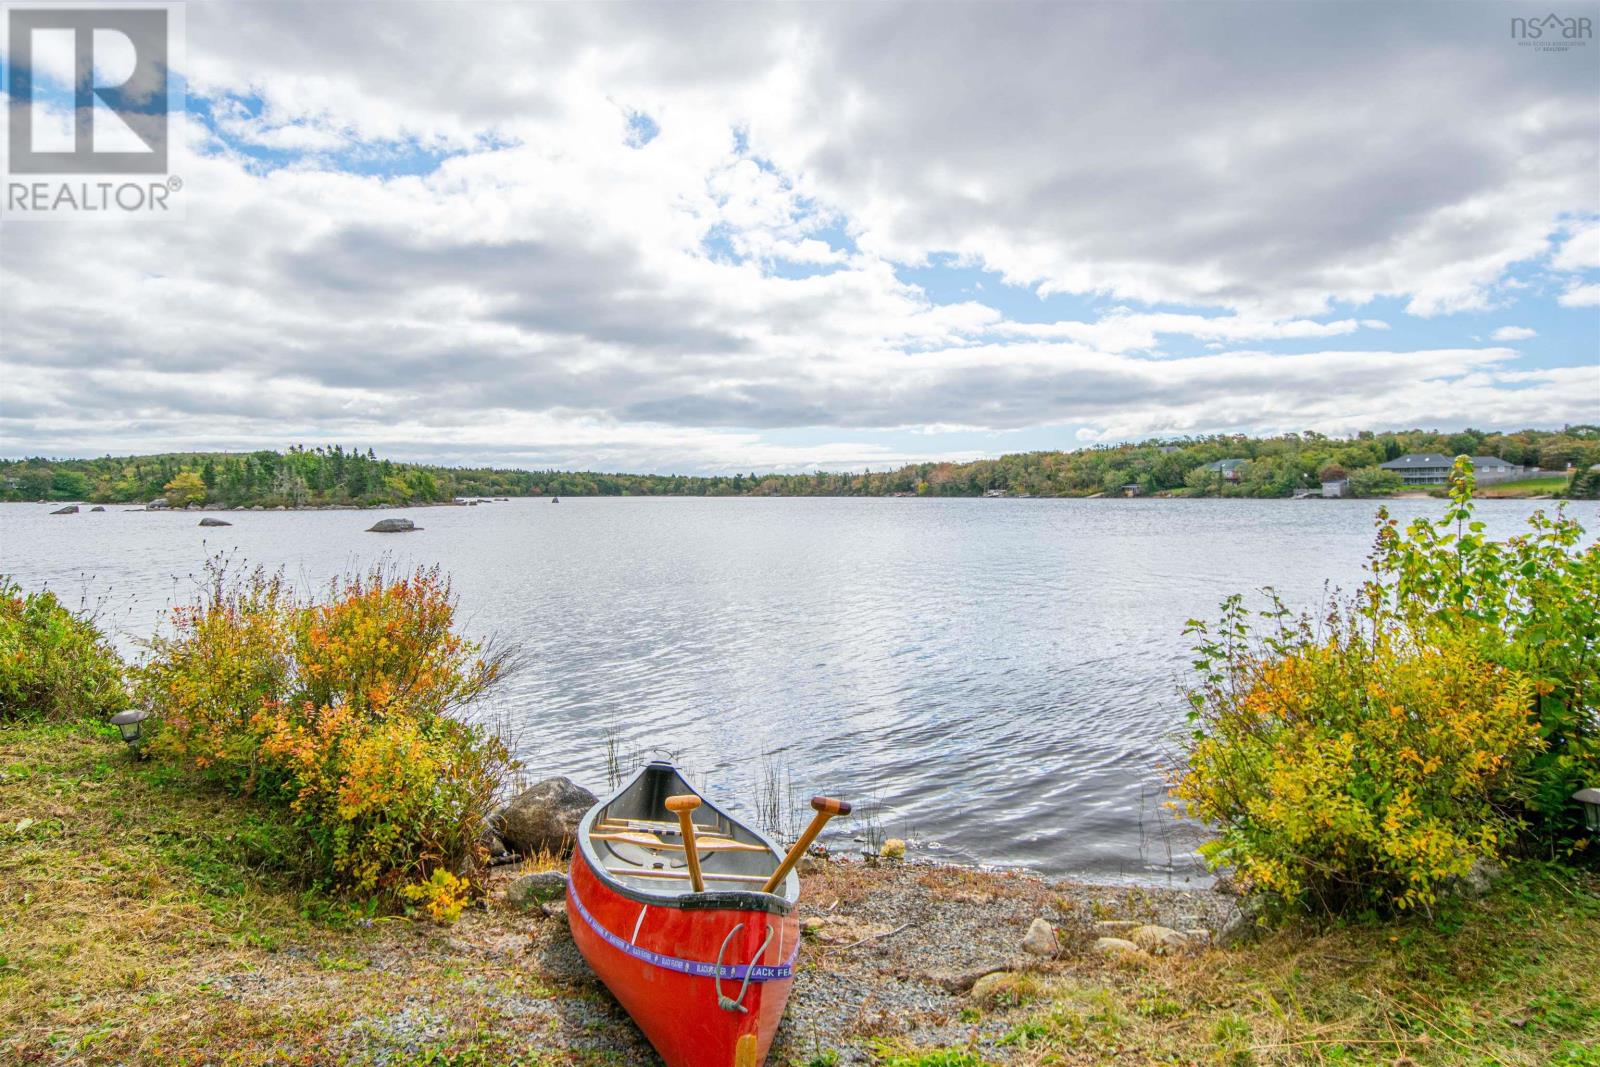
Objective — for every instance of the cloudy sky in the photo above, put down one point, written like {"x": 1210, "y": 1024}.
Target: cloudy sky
{"x": 698, "y": 238}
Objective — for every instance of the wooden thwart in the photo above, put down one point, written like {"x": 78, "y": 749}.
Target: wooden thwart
{"x": 651, "y": 826}
{"x": 644, "y": 840}
{"x": 643, "y": 872}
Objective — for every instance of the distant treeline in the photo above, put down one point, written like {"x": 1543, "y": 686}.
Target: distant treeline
{"x": 1273, "y": 467}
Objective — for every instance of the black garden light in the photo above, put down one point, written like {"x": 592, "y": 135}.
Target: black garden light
{"x": 131, "y": 726}
{"x": 1590, "y": 799}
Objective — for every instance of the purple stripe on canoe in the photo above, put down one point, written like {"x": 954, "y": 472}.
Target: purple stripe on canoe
{"x": 758, "y": 973}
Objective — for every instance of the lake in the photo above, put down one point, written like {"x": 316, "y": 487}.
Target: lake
{"x": 996, "y": 679}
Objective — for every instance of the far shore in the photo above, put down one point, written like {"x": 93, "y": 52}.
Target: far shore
{"x": 1485, "y": 494}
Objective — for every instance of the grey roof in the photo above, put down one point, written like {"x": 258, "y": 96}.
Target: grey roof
{"x": 1226, "y": 464}
{"x": 1434, "y": 459}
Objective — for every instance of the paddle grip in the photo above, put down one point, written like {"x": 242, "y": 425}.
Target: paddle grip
{"x": 831, "y": 805}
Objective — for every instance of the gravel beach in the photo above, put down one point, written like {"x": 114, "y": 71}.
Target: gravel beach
{"x": 893, "y": 952}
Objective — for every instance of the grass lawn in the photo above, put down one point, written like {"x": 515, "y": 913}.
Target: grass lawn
{"x": 148, "y": 920}
{"x": 1555, "y": 483}
{"x": 145, "y": 920}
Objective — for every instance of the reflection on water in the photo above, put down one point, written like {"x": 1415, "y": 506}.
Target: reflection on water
{"x": 1001, "y": 674}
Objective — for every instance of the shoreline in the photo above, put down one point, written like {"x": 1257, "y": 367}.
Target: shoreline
{"x": 152, "y": 921}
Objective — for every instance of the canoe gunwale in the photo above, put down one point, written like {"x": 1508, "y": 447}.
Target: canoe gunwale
{"x": 782, "y": 902}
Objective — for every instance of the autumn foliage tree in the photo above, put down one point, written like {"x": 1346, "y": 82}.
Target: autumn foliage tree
{"x": 184, "y": 489}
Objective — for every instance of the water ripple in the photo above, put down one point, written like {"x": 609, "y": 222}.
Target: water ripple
{"x": 1000, "y": 676}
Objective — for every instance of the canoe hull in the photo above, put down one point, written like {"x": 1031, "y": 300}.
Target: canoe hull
{"x": 660, "y": 963}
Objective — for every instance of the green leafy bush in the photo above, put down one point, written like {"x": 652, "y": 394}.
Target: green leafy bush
{"x": 1447, "y": 713}
{"x": 1374, "y": 481}
{"x": 54, "y": 664}
{"x": 1530, "y": 603}
{"x": 345, "y": 709}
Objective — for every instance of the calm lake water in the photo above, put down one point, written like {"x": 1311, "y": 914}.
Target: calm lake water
{"x": 999, "y": 676}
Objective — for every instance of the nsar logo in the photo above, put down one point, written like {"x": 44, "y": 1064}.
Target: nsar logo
{"x": 1552, "y": 33}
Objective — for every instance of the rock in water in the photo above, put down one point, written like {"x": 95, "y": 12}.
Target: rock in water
{"x": 158, "y": 504}
{"x": 1041, "y": 939}
{"x": 541, "y": 887}
{"x": 393, "y": 526}
{"x": 97, "y": 507}
{"x": 70, "y": 509}
{"x": 209, "y": 521}
{"x": 544, "y": 817}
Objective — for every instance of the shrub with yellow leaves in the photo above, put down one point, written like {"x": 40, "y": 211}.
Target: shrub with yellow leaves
{"x": 442, "y": 895}
{"x": 1346, "y": 766}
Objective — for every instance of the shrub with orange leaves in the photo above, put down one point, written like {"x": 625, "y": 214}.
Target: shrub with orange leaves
{"x": 344, "y": 708}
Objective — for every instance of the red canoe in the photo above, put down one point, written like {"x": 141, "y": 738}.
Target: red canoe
{"x": 704, "y": 974}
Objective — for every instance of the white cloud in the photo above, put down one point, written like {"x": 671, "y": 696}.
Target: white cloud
{"x": 1514, "y": 333}
{"x": 1580, "y": 249}
{"x": 1580, "y": 296}
{"x": 559, "y": 291}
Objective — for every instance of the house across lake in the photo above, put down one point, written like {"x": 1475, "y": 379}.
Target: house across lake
{"x": 1228, "y": 468}
{"x": 1431, "y": 468}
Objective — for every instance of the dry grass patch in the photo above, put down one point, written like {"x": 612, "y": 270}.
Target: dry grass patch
{"x": 1509, "y": 980}
{"x": 149, "y": 920}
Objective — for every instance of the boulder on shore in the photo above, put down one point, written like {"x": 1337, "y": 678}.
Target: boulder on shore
{"x": 540, "y": 887}
{"x": 544, "y": 817}
{"x": 393, "y": 526}
{"x": 1041, "y": 939}
{"x": 209, "y": 521}
{"x": 1116, "y": 946}
{"x": 160, "y": 503}
{"x": 1159, "y": 940}
{"x": 70, "y": 509}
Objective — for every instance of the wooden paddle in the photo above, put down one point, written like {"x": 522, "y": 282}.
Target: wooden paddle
{"x": 826, "y": 808}
{"x": 684, "y": 806}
